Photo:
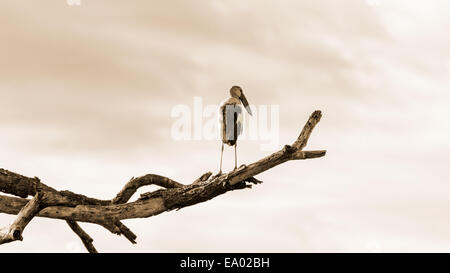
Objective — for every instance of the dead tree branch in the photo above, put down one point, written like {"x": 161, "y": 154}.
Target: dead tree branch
{"x": 23, "y": 218}
{"x": 85, "y": 238}
{"x": 73, "y": 208}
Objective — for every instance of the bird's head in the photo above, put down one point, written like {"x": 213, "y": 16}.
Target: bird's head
{"x": 236, "y": 92}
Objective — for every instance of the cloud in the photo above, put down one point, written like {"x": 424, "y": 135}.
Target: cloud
{"x": 88, "y": 91}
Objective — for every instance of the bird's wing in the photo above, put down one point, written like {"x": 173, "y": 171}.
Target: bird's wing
{"x": 233, "y": 115}
{"x": 222, "y": 122}
{"x": 230, "y": 120}
{"x": 239, "y": 121}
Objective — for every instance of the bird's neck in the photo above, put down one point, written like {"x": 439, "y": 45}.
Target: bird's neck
{"x": 232, "y": 100}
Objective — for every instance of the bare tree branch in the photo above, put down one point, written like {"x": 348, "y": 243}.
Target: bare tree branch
{"x": 303, "y": 138}
{"x": 135, "y": 183}
{"x": 19, "y": 185}
{"x": 85, "y": 238}
{"x": 23, "y": 218}
{"x": 75, "y": 208}
{"x": 203, "y": 178}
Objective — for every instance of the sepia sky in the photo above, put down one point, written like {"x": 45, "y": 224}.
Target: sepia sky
{"x": 86, "y": 94}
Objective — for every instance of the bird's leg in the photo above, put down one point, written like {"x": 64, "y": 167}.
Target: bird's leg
{"x": 235, "y": 156}
{"x": 221, "y": 156}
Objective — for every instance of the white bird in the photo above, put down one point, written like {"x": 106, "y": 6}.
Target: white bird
{"x": 230, "y": 117}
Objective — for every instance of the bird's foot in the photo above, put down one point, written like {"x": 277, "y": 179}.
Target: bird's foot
{"x": 243, "y": 166}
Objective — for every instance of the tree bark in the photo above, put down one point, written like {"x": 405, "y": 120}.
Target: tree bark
{"x": 23, "y": 218}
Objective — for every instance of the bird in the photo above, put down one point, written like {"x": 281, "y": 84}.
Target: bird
{"x": 230, "y": 119}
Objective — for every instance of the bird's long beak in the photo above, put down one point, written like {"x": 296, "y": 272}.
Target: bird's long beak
{"x": 245, "y": 103}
